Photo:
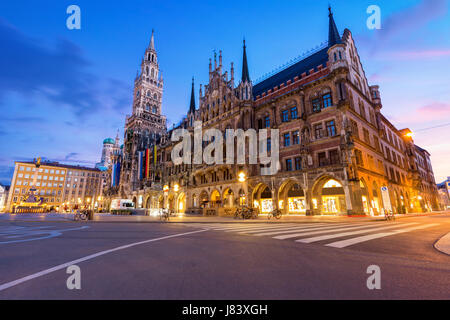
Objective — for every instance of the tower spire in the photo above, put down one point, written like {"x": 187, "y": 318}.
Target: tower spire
{"x": 245, "y": 74}
{"x": 333, "y": 33}
{"x": 152, "y": 40}
{"x": 192, "y": 105}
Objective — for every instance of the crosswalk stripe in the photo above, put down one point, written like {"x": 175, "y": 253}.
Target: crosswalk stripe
{"x": 344, "y": 234}
{"x": 290, "y": 230}
{"x": 298, "y": 235}
{"x": 349, "y": 242}
{"x": 261, "y": 229}
{"x": 254, "y": 227}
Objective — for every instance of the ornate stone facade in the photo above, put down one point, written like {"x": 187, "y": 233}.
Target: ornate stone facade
{"x": 338, "y": 153}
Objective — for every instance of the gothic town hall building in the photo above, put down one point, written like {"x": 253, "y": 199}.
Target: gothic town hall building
{"x": 338, "y": 154}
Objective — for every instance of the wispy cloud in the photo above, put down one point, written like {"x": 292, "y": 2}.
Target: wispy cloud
{"x": 418, "y": 54}
{"x": 433, "y": 112}
{"x": 59, "y": 74}
{"x": 411, "y": 19}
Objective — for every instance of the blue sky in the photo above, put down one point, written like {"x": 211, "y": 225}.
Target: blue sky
{"x": 63, "y": 91}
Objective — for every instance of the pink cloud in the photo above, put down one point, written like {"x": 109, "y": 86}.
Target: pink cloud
{"x": 436, "y": 111}
{"x": 424, "y": 54}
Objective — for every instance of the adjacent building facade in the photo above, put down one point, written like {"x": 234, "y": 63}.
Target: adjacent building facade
{"x": 338, "y": 153}
{"x": 444, "y": 193}
{"x": 4, "y": 190}
{"x": 62, "y": 187}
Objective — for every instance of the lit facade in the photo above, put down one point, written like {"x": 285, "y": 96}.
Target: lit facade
{"x": 63, "y": 187}
{"x": 338, "y": 154}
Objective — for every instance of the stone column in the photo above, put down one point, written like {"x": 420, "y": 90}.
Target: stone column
{"x": 355, "y": 194}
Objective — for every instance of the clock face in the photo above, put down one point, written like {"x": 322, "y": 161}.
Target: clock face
{"x": 215, "y": 93}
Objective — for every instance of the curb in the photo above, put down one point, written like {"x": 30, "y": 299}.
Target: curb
{"x": 443, "y": 244}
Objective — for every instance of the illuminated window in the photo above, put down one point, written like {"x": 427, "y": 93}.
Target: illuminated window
{"x": 332, "y": 184}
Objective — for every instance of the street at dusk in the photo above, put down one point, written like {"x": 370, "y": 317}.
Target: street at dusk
{"x": 226, "y": 260}
{"x": 224, "y": 159}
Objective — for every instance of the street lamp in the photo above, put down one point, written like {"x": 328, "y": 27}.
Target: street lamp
{"x": 166, "y": 192}
{"x": 241, "y": 178}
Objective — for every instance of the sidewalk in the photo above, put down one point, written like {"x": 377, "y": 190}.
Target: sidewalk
{"x": 106, "y": 217}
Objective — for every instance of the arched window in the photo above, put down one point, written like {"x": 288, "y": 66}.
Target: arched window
{"x": 155, "y": 96}
{"x": 146, "y": 71}
{"x": 154, "y": 109}
{"x": 153, "y": 73}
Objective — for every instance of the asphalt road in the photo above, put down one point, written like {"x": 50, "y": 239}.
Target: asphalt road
{"x": 193, "y": 261}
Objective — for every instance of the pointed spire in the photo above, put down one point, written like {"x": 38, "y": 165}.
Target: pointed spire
{"x": 152, "y": 40}
{"x": 333, "y": 33}
{"x": 192, "y": 105}
{"x": 245, "y": 74}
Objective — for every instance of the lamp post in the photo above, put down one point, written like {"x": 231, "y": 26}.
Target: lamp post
{"x": 242, "y": 178}
{"x": 176, "y": 188}
{"x": 166, "y": 193}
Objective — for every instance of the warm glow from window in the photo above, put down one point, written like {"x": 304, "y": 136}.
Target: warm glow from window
{"x": 332, "y": 184}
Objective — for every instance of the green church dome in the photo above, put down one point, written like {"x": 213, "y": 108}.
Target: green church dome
{"x": 108, "y": 141}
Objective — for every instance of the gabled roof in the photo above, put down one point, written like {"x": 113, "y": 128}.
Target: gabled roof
{"x": 313, "y": 61}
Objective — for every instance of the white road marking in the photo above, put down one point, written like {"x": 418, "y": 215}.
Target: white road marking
{"x": 349, "y": 242}
{"x": 290, "y": 230}
{"x": 92, "y": 256}
{"x": 338, "y": 228}
{"x": 33, "y": 233}
{"x": 258, "y": 229}
{"x": 344, "y": 234}
{"x": 315, "y": 226}
{"x": 251, "y": 226}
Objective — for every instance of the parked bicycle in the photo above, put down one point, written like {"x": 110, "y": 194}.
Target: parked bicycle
{"x": 276, "y": 213}
{"x": 389, "y": 215}
{"x": 80, "y": 216}
{"x": 164, "y": 215}
{"x": 245, "y": 212}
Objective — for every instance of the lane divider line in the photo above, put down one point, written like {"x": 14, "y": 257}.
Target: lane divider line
{"x": 89, "y": 257}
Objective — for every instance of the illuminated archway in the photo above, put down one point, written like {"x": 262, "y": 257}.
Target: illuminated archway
{"x": 215, "y": 198}
{"x": 365, "y": 196}
{"x": 291, "y": 198}
{"x": 181, "y": 202}
{"x": 328, "y": 196}
{"x": 262, "y": 198}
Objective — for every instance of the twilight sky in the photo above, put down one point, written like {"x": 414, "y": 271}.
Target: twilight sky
{"x": 63, "y": 91}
